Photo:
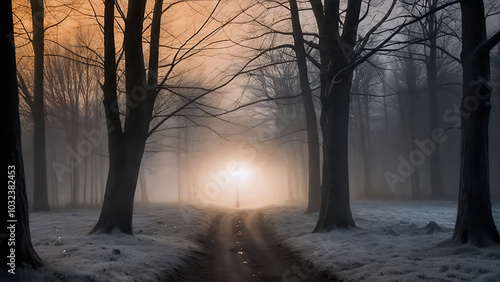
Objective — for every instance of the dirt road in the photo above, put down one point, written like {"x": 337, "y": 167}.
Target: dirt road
{"x": 241, "y": 248}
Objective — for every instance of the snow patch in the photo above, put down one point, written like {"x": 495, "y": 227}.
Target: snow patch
{"x": 166, "y": 237}
{"x": 393, "y": 241}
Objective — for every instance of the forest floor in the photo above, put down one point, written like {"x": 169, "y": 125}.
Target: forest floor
{"x": 166, "y": 239}
{"x": 240, "y": 248}
{"x": 393, "y": 241}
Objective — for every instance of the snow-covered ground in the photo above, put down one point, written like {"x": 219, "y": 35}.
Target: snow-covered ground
{"x": 165, "y": 240}
{"x": 392, "y": 242}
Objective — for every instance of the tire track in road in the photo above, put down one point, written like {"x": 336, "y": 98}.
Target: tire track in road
{"x": 241, "y": 248}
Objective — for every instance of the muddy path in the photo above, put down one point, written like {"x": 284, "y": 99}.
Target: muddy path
{"x": 240, "y": 247}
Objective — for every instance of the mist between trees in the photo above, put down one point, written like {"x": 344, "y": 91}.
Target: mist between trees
{"x": 317, "y": 103}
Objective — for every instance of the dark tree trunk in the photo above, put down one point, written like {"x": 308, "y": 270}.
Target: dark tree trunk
{"x": 437, "y": 189}
{"x": 474, "y": 219}
{"x": 314, "y": 184}
{"x": 40, "y": 198}
{"x": 126, "y": 148}
{"x": 117, "y": 208}
{"x": 335, "y": 209}
{"x": 106, "y": 221}
{"x": 11, "y": 150}
{"x": 335, "y": 53}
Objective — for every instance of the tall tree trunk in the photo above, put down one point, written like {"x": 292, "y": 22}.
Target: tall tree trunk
{"x": 310, "y": 113}
{"x": 335, "y": 52}
{"x": 11, "y": 159}
{"x": 437, "y": 189}
{"x": 474, "y": 219}
{"x": 117, "y": 209}
{"x": 335, "y": 209}
{"x": 114, "y": 127}
{"x": 40, "y": 198}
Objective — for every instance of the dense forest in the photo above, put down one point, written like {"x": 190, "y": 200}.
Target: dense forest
{"x": 293, "y": 112}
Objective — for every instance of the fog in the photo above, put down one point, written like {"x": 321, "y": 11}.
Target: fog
{"x": 193, "y": 156}
{"x": 248, "y": 140}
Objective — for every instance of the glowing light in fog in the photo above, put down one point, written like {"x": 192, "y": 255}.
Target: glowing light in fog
{"x": 236, "y": 173}
{"x": 241, "y": 171}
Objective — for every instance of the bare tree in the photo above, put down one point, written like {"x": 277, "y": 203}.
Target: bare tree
{"x": 474, "y": 218}
{"x": 310, "y": 113}
{"x": 40, "y": 198}
{"x": 341, "y": 51}
{"x": 141, "y": 92}
{"x": 12, "y": 159}
{"x": 432, "y": 28}
{"x": 336, "y": 48}
{"x": 123, "y": 168}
